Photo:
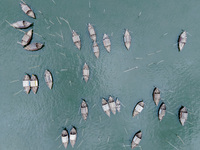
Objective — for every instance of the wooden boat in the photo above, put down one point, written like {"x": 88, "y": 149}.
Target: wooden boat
{"x": 112, "y": 105}
{"x": 96, "y": 49}
{"x": 26, "y": 83}
{"x": 127, "y": 39}
{"x": 86, "y": 72}
{"x": 106, "y": 107}
{"x": 27, "y": 10}
{"x": 161, "y": 111}
{"x": 27, "y": 37}
{"x": 92, "y": 32}
{"x": 183, "y": 115}
{"x": 156, "y": 95}
{"x": 136, "y": 139}
{"x": 21, "y": 24}
{"x": 76, "y": 39}
{"x": 73, "y": 135}
{"x": 106, "y": 42}
{"x": 48, "y": 78}
{"x": 34, "y": 46}
{"x": 138, "y": 108}
{"x": 182, "y": 40}
{"x": 118, "y": 105}
{"x": 84, "y": 110}
{"x": 65, "y": 137}
{"x": 34, "y": 84}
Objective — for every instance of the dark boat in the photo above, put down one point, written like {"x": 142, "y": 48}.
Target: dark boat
{"x": 112, "y": 105}
{"x": 27, "y": 37}
{"x": 182, "y": 40}
{"x": 26, "y": 83}
{"x": 106, "y": 42}
{"x": 73, "y": 135}
{"x": 21, "y": 24}
{"x": 183, "y": 115}
{"x": 27, "y": 10}
{"x": 84, "y": 110}
{"x": 106, "y": 107}
{"x": 96, "y": 49}
{"x": 136, "y": 139}
{"x": 161, "y": 111}
{"x": 48, "y": 78}
{"x": 86, "y": 72}
{"x": 156, "y": 96}
{"x": 118, "y": 105}
{"x": 138, "y": 108}
{"x": 76, "y": 39}
{"x": 65, "y": 137}
{"x": 127, "y": 39}
{"x": 34, "y": 83}
{"x": 34, "y": 46}
{"x": 92, "y": 32}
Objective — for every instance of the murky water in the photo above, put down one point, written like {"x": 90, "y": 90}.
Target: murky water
{"x": 36, "y": 121}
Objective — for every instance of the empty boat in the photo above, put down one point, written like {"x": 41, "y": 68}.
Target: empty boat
{"x": 34, "y": 83}
{"x": 161, "y": 111}
{"x": 127, "y": 39}
{"x": 136, "y": 139}
{"x": 156, "y": 95}
{"x": 21, "y": 24}
{"x": 92, "y": 32}
{"x": 112, "y": 105}
{"x": 48, "y": 78}
{"x": 118, "y": 105}
{"x": 65, "y": 137}
{"x": 27, "y": 37}
{"x": 96, "y": 49}
{"x": 182, "y": 40}
{"x": 26, "y": 83}
{"x": 34, "y": 46}
{"x": 27, "y": 10}
{"x": 86, "y": 72}
{"x": 183, "y": 115}
{"x": 73, "y": 135}
{"x": 138, "y": 108}
{"x": 84, "y": 110}
{"x": 106, "y": 42}
{"x": 76, "y": 39}
{"x": 106, "y": 107}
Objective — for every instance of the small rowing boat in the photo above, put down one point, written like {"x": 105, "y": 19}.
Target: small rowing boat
{"x": 34, "y": 46}
{"x": 86, "y": 72}
{"x": 92, "y": 32}
{"x": 73, "y": 135}
{"x": 65, "y": 137}
{"x": 27, "y": 10}
{"x": 106, "y": 107}
{"x": 136, "y": 139}
{"x": 118, "y": 105}
{"x": 96, "y": 49}
{"x": 48, "y": 78}
{"x": 84, "y": 110}
{"x": 76, "y": 39}
{"x": 138, "y": 108}
{"x": 106, "y": 42}
{"x": 182, "y": 40}
{"x": 183, "y": 115}
{"x": 21, "y": 24}
{"x": 127, "y": 39}
{"x": 156, "y": 96}
{"x": 27, "y": 37}
{"x": 112, "y": 105}
{"x": 26, "y": 83}
{"x": 161, "y": 111}
{"x": 34, "y": 83}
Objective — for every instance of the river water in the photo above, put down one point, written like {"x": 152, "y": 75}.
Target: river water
{"x": 35, "y": 122}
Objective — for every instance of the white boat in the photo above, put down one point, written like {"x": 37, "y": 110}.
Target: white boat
{"x": 112, "y": 105}
{"x": 48, "y": 78}
{"x": 106, "y": 107}
{"x": 21, "y": 24}
{"x": 92, "y": 32}
{"x": 183, "y": 115}
{"x": 73, "y": 135}
{"x": 27, "y": 10}
{"x": 136, "y": 139}
{"x": 84, "y": 110}
{"x": 182, "y": 40}
{"x": 96, "y": 49}
{"x": 138, "y": 108}
{"x": 86, "y": 72}
{"x": 27, "y": 37}
{"x": 106, "y": 42}
{"x": 26, "y": 83}
{"x": 161, "y": 111}
{"x": 65, "y": 137}
{"x": 127, "y": 39}
{"x": 76, "y": 39}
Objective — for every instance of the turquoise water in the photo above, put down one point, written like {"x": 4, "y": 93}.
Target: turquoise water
{"x": 36, "y": 121}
